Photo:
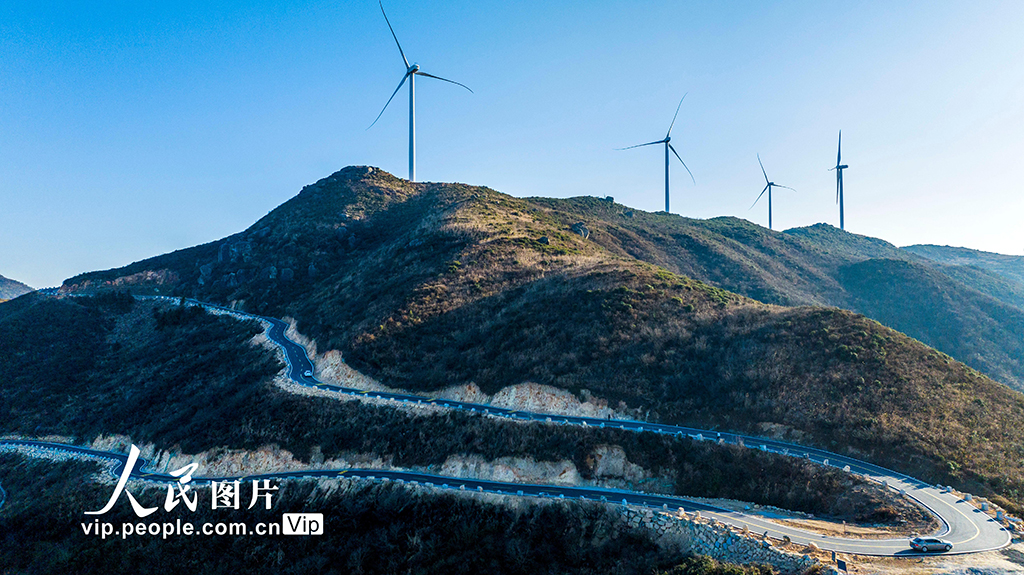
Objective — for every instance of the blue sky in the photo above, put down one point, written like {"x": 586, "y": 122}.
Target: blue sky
{"x": 132, "y": 129}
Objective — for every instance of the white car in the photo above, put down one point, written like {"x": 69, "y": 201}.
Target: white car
{"x": 307, "y": 373}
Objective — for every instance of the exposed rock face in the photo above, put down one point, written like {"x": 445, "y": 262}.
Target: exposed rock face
{"x": 528, "y": 396}
{"x": 148, "y": 278}
{"x": 610, "y": 461}
{"x": 293, "y": 334}
{"x": 546, "y": 399}
{"x": 581, "y": 229}
{"x": 620, "y": 474}
{"x": 331, "y": 367}
{"x": 512, "y": 469}
{"x": 228, "y": 462}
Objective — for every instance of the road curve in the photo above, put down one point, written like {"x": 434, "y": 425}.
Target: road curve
{"x": 968, "y": 528}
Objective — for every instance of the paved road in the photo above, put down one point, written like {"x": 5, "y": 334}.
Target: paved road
{"x": 969, "y": 529}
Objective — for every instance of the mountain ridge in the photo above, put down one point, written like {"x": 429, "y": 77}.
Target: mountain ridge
{"x": 10, "y": 289}
{"x": 1007, "y": 266}
{"x": 424, "y": 286}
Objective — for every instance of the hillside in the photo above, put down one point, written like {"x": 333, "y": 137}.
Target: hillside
{"x": 1009, "y": 267}
{"x": 370, "y": 528}
{"x": 941, "y": 312}
{"x": 969, "y": 313}
{"x": 10, "y": 289}
{"x": 426, "y": 286}
{"x": 183, "y": 380}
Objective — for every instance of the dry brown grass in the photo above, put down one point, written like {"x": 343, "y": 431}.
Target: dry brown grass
{"x": 448, "y": 284}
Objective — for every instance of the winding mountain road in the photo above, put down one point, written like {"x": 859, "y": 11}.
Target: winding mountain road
{"x": 967, "y": 527}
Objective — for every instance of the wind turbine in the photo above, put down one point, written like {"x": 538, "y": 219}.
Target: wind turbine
{"x": 411, "y": 71}
{"x": 767, "y": 188}
{"x": 839, "y": 180}
{"x": 668, "y": 146}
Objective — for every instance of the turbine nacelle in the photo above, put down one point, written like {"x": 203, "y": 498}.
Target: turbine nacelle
{"x": 843, "y": 167}
{"x": 668, "y": 148}
{"x": 411, "y": 71}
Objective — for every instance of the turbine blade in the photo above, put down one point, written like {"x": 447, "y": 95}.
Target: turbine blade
{"x": 677, "y": 115}
{"x": 762, "y": 169}
{"x": 787, "y": 187}
{"x": 400, "y": 84}
{"x": 400, "y": 51}
{"x": 683, "y": 163}
{"x": 642, "y": 145}
{"x": 839, "y": 154}
{"x": 445, "y": 80}
{"x": 839, "y": 183}
{"x": 758, "y": 198}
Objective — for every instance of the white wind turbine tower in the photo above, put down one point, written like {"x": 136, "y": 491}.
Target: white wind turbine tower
{"x": 411, "y": 71}
{"x": 668, "y": 146}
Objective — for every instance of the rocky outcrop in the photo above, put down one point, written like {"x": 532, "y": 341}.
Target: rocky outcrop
{"x": 611, "y": 461}
{"x": 581, "y": 229}
{"x": 511, "y": 469}
{"x": 547, "y": 399}
{"x": 148, "y": 278}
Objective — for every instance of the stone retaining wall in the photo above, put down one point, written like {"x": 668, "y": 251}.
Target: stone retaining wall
{"x": 690, "y": 533}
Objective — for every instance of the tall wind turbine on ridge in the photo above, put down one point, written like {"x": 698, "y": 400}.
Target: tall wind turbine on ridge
{"x": 668, "y": 146}
{"x": 839, "y": 180}
{"x": 411, "y": 71}
{"x": 767, "y": 188}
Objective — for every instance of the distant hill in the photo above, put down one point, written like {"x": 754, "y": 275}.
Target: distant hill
{"x": 426, "y": 285}
{"x": 1009, "y": 267}
{"x": 972, "y": 314}
{"x": 10, "y": 289}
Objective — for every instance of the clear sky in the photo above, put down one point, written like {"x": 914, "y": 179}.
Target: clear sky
{"x": 129, "y": 129}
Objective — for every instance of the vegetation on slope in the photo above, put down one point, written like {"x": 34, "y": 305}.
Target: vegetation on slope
{"x": 946, "y": 314}
{"x": 810, "y": 266}
{"x": 10, "y": 289}
{"x": 370, "y": 528}
{"x": 1009, "y": 267}
{"x": 430, "y": 285}
{"x": 183, "y": 379}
